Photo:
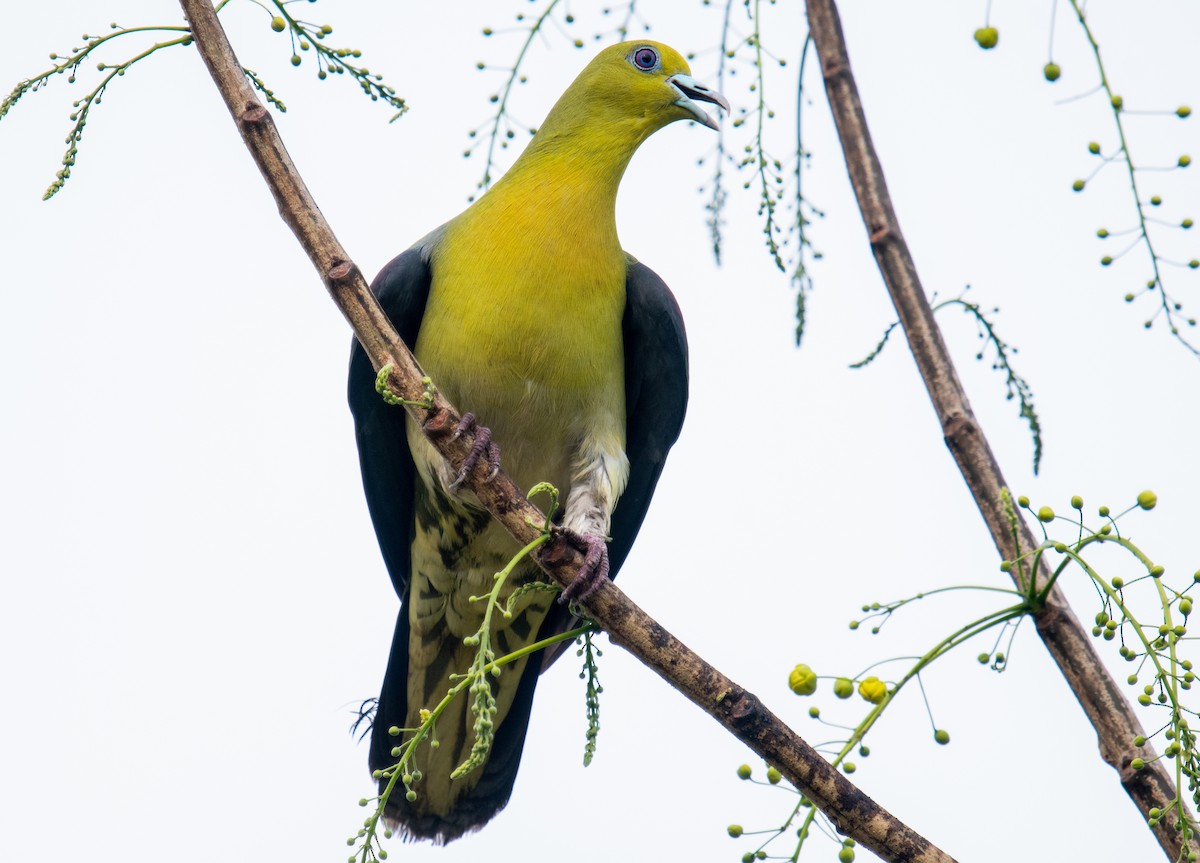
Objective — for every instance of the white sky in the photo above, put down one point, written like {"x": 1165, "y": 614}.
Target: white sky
{"x": 192, "y": 596}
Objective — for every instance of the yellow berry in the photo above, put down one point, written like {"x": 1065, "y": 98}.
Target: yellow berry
{"x": 987, "y": 37}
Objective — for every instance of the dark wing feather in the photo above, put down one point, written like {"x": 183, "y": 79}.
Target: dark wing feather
{"x": 389, "y": 474}
{"x": 387, "y": 466}
{"x": 656, "y": 393}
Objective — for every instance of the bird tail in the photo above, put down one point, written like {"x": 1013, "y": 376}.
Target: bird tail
{"x": 444, "y": 817}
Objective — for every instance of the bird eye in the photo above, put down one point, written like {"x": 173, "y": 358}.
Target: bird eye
{"x": 645, "y": 58}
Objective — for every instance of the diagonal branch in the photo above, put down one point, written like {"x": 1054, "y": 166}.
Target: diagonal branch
{"x": 853, "y": 812}
{"x": 1102, "y": 700}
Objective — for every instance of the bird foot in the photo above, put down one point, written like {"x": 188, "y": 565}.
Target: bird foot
{"x": 482, "y": 445}
{"x": 594, "y": 570}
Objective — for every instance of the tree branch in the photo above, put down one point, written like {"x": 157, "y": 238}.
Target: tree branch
{"x": 854, "y": 813}
{"x": 1102, "y": 700}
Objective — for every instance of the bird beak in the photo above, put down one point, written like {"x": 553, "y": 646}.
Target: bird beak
{"x": 689, "y": 88}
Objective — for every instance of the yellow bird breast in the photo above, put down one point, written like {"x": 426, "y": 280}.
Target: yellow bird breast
{"x": 523, "y": 327}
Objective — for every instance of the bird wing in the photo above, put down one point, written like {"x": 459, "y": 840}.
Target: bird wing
{"x": 656, "y": 393}
{"x": 388, "y": 472}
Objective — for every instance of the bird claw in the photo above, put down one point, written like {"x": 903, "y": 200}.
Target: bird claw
{"x": 481, "y": 445}
{"x": 594, "y": 570}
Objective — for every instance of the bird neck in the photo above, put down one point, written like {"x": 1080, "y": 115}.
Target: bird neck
{"x": 577, "y": 160}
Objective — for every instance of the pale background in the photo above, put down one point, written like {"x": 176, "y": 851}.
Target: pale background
{"x": 193, "y": 602}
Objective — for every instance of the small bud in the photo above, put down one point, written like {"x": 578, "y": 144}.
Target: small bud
{"x": 1147, "y": 500}
{"x": 744, "y": 771}
{"x": 1094, "y": 148}
{"x": 873, "y": 690}
{"x": 295, "y": 59}
{"x": 983, "y": 658}
{"x": 1078, "y": 185}
{"x": 734, "y": 830}
{"x": 1183, "y": 111}
{"x": 1184, "y": 161}
{"x": 773, "y": 776}
{"x": 1076, "y": 502}
{"x": 843, "y": 687}
{"x": 1045, "y": 514}
{"x": 846, "y": 854}
{"x": 1102, "y": 233}
{"x": 278, "y": 24}
{"x": 849, "y": 766}
{"x": 1118, "y": 103}
{"x": 802, "y": 680}
{"x": 1118, "y": 582}
{"x": 814, "y": 712}
{"x": 942, "y": 736}
{"x": 1186, "y": 223}
{"x": 987, "y": 37}
{"x": 1052, "y": 72}
{"x": 1022, "y": 501}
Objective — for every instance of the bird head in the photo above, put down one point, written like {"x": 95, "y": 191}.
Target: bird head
{"x": 633, "y": 88}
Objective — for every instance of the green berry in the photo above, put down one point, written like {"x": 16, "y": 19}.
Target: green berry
{"x": 987, "y": 37}
{"x": 1139, "y": 741}
{"x": 1052, "y": 72}
{"x": 983, "y": 658}
{"x": 1147, "y": 499}
{"x": 295, "y": 59}
{"x": 1106, "y": 260}
{"x": 1078, "y": 185}
{"x": 1138, "y": 763}
{"x": 849, "y": 766}
{"x": 942, "y": 736}
{"x": 1118, "y": 582}
{"x": 802, "y": 680}
{"x": 846, "y": 855}
{"x": 734, "y": 830}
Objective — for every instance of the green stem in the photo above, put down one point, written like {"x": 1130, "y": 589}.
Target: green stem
{"x": 1164, "y": 299}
